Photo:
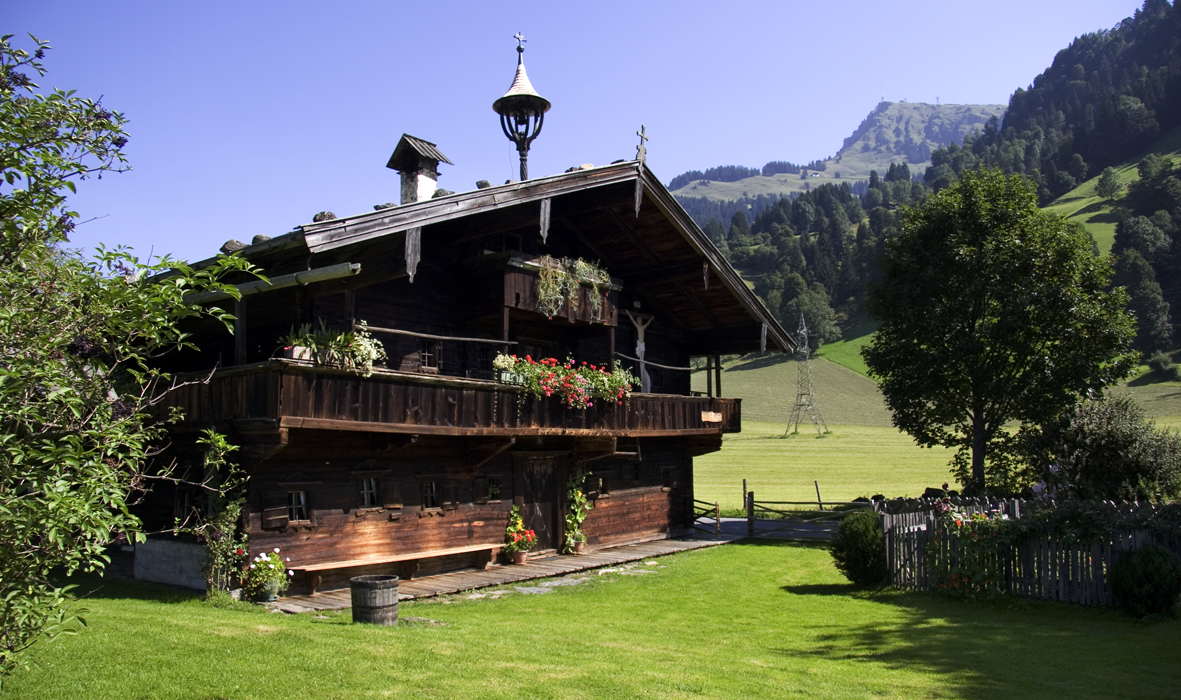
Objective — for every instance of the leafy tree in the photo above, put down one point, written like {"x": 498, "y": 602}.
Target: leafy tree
{"x": 78, "y": 434}
{"x": 1145, "y": 301}
{"x": 991, "y": 311}
{"x": 1108, "y": 186}
{"x": 1108, "y": 450}
{"x": 739, "y": 226}
{"x": 715, "y": 232}
{"x": 1141, "y": 235}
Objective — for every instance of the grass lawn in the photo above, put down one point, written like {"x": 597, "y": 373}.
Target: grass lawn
{"x": 849, "y": 462}
{"x": 758, "y": 620}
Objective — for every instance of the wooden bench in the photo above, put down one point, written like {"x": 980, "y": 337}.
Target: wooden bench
{"x": 410, "y": 562}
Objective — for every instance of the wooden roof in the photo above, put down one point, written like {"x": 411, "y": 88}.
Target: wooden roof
{"x": 661, "y": 253}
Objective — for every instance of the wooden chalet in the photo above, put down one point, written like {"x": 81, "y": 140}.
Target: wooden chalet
{"x": 415, "y": 466}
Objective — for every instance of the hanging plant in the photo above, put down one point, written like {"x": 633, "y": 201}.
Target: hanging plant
{"x": 558, "y": 282}
{"x": 552, "y": 286}
{"x": 597, "y": 278}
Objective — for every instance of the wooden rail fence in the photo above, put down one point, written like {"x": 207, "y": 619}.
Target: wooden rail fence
{"x": 804, "y": 522}
{"x": 705, "y": 509}
{"x": 1046, "y": 567}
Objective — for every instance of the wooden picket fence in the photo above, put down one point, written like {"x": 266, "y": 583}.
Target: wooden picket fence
{"x": 1044, "y": 567}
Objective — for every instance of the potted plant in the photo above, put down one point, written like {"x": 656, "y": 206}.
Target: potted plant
{"x": 575, "y": 385}
{"x": 517, "y": 540}
{"x": 579, "y": 505}
{"x": 266, "y": 577}
{"x": 353, "y": 350}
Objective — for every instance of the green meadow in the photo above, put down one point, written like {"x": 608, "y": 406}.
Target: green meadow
{"x": 746, "y": 620}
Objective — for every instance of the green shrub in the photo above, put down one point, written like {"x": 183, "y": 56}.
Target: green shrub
{"x": 1147, "y": 581}
{"x": 859, "y": 549}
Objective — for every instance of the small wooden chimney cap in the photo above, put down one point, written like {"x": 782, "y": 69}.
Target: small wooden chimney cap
{"x": 413, "y": 153}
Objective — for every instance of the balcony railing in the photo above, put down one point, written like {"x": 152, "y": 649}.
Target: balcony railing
{"x": 297, "y": 395}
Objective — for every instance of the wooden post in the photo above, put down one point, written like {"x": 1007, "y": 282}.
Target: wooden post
{"x": 709, "y": 391}
{"x": 504, "y": 328}
{"x": 744, "y": 491}
{"x": 717, "y": 520}
{"x": 818, "y": 501}
{"x": 611, "y": 346}
{"x": 718, "y": 374}
{"x": 750, "y": 514}
{"x": 239, "y": 332}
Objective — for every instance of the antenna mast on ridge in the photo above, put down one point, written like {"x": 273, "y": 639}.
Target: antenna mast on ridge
{"x": 805, "y": 397}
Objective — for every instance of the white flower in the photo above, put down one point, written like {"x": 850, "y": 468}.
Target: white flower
{"x": 288, "y": 560}
{"x": 252, "y": 566}
{"x": 270, "y": 566}
{"x": 276, "y": 550}
{"x": 290, "y": 573}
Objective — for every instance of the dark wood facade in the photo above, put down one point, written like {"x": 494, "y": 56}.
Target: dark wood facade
{"x": 415, "y": 467}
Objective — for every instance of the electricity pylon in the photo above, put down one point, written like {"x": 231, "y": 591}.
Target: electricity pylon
{"x": 805, "y": 396}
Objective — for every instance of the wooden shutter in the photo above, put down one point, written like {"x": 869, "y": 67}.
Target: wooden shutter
{"x": 391, "y": 493}
{"x": 274, "y": 510}
{"x": 450, "y": 499}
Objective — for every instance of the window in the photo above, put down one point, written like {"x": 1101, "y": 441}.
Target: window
{"x": 485, "y": 489}
{"x": 430, "y": 495}
{"x": 369, "y": 492}
{"x": 183, "y": 507}
{"x": 428, "y": 356}
{"x": 598, "y": 485}
{"x": 297, "y": 506}
{"x": 667, "y": 478}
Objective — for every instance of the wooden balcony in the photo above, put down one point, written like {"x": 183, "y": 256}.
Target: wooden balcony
{"x": 291, "y": 394}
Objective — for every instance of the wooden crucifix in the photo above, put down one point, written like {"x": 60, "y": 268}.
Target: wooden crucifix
{"x": 641, "y": 322}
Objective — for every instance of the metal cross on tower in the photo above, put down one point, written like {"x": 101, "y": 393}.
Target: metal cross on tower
{"x": 805, "y": 397}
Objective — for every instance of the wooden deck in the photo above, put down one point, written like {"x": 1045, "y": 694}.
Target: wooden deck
{"x": 497, "y": 575}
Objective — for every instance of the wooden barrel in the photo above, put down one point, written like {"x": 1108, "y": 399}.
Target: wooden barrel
{"x": 375, "y": 599}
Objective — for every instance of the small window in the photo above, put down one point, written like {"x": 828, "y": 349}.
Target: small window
{"x": 667, "y": 478}
{"x": 598, "y": 485}
{"x": 431, "y": 498}
{"x": 369, "y": 492}
{"x": 297, "y": 506}
{"x": 428, "y": 356}
{"x": 485, "y": 489}
{"x": 450, "y": 495}
{"x": 183, "y": 506}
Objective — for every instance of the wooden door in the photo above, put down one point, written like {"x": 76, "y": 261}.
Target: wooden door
{"x": 537, "y": 489}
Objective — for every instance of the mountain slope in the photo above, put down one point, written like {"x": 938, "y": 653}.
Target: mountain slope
{"x": 894, "y": 132}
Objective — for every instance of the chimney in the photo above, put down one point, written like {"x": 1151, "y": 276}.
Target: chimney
{"x": 418, "y": 162}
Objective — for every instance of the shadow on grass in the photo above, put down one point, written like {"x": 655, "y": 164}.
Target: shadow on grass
{"x": 1003, "y": 648}
{"x": 767, "y": 360}
{"x": 93, "y": 586}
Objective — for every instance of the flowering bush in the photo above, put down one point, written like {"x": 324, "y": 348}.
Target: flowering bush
{"x": 578, "y": 386}
{"x": 981, "y": 541}
{"x": 516, "y": 537}
{"x": 266, "y": 575}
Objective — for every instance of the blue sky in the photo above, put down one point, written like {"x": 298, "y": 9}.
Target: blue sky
{"x": 248, "y": 118}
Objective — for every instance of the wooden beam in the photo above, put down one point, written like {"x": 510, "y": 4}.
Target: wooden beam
{"x": 627, "y": 230}
{"x": 319, "y": 274}
{"x": 700, "y": 306}
{"x": 428, "y": 336}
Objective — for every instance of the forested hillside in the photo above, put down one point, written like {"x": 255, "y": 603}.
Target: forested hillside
{"x": 1104, "y": 102}
{"x": 1105, "y": 97}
